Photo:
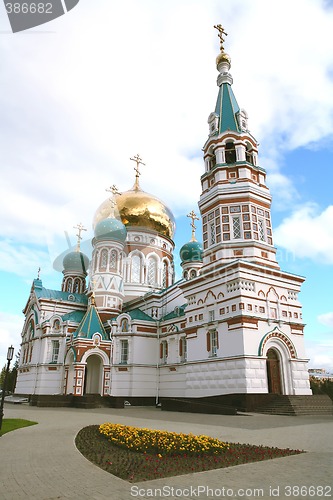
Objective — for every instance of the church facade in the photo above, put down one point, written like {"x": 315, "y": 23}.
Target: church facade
{"x": 231, "y": 325}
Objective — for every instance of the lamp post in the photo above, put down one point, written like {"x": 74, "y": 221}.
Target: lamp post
{"x": 10, "y": 354}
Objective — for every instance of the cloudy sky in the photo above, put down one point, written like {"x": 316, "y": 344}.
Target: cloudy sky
{"x": 82, "y": 94}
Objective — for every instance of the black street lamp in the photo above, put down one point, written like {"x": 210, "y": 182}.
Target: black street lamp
{"x": 10, "y": 354}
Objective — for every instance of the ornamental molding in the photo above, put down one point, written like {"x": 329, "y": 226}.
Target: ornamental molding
{"x": 277, "y": 334}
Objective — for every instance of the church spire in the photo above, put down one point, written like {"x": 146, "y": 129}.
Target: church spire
{"x": 235, "y": 201}
{"x": 227, "y": 111}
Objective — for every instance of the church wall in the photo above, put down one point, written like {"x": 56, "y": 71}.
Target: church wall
{"x": 300, "y": 377}
{"x": 227, "y": 376}
{"x": 172, "y": 381}
{"x": 133, "y": 381}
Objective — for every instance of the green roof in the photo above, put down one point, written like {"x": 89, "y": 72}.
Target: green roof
{"x": 75, "y": 316}
{"x": 90, "y": 324}
{"x": 226, "y": 109}
{"x": 44, "y": 293}
{"x": 174, "y": 314}
{"x": 138, "y": 314}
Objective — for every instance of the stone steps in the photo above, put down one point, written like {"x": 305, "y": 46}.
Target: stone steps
{"x": 297, "y": 405}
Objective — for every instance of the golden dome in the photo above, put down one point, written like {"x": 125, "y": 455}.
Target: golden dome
{"x": 223, "y": 57}
{"x": 140, "y": 209}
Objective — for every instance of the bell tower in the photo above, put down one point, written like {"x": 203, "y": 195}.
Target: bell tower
{"x": 235, "y": 202}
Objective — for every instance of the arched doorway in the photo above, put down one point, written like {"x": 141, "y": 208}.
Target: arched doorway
{"x": 274, "y": 372}
{"x": 93, "y": 375}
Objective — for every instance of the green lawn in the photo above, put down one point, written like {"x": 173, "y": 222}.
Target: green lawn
{"x": 11, "y": 424}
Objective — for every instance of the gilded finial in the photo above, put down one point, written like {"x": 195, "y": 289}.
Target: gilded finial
{"x": 92, "y": 297}
{"x": 138, "y": 161}
{"x": 222, "y": 32}
{"x": 80, "y": 228}
{"x": 193, "y": 217}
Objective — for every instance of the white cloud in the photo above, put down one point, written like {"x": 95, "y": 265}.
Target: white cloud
{"x": 320, "y": 353}
{"x": 22, "y": 260}
{"x": 308, "y": 233}
{"x": 326, "y": 319}
{"x": 119, "y": 78}
{"x": 10, "y": 329}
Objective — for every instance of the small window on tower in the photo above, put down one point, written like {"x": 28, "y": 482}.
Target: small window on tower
{"x": 230, "y": 153}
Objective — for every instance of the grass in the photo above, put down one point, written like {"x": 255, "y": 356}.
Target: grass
{"x": 11, "y": 424}
{"x": 136, "y": 466}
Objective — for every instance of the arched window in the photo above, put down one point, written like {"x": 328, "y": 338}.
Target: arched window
{"x": 249, "y": 154}
{"x": 76, "y": 288}
{"x": 103, "y": 260}
{"x": 152, "y": 271}
{"x": 230, "y": 153}
{"x": 69, "y": 285}
{"x": 113, "y": 260}
{"x": 165, "y": 275}
{"x": 136, "y": 269}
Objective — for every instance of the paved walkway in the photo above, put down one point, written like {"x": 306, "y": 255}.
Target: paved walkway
{"x": 41, "y": 462}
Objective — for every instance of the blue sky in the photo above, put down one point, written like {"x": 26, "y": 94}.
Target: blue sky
{"x": 84, "y": 93}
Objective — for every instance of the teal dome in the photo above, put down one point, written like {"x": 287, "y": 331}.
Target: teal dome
{"x": 110, "y": 229}
{"x": 76, "y": 261}
{"x": 191, "y": 252}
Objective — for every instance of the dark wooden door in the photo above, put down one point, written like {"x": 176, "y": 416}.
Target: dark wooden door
{"x": 273, "y": 372}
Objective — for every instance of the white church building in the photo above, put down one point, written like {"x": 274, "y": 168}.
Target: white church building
{"x": 121, "y": 327}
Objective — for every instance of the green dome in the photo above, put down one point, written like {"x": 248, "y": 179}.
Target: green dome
{"x": 110, "y": 229}
{"x": 76, "y": 261}
{"x": 191, "y": 252}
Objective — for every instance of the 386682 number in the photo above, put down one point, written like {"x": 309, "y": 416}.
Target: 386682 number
{"x": 32, "y": 8}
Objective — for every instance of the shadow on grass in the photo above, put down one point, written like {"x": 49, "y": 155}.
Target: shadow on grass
{"x": 134, "y": 466}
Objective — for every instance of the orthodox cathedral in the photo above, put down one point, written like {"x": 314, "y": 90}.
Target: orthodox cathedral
{"x": 231, "y": 325}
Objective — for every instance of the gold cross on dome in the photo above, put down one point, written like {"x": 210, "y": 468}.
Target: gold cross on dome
{"x": 222, "y": 32}
{"x": 113, "y": 189}
{"x": 80, "y": 228}
{"x": 193, "y": 217}
{"x": 138, "y": 161}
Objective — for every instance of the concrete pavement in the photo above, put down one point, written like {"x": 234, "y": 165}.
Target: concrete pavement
{"x": 41, "y": 462}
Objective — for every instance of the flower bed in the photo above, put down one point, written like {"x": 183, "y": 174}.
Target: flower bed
{"x": 134, "y": 466}
{"x": 161, "y": 442}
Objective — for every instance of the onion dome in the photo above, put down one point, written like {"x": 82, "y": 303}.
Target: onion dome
{"x": 223, "y": 57}
{"x": 76, "y": 261}
{"x": 110, "y": 229}
{"x": 139, "y": 209}
{"x": 191, "y": 252}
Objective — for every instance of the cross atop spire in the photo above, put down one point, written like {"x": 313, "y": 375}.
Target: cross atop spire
{"x": 193, "y": 217}
{"x": 138, "y": 161}
{"x": 222, "y": 32}
{"x": 80, "y": 228}
{"x": 38, "y": 273}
